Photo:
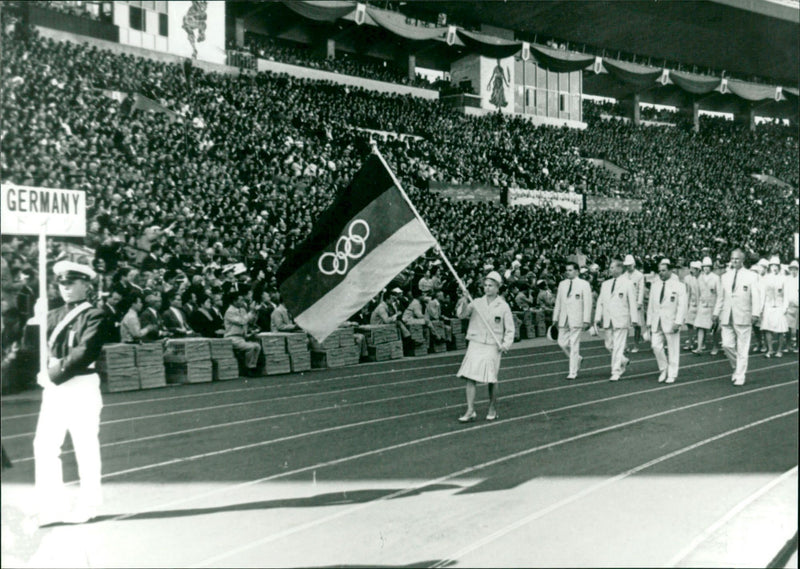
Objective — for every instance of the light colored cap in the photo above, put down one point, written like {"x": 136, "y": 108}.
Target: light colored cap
{"x": 695, "y": 265}
{"x": 594, "y": 267}
{"x": 763, "y": 262}
{"x": 397, "y": 290}
{"x": 775, "y": 260}
{"x": 488, "y": 267}
{"x": 62, "y": 268}
{"x": 707, "y": 262}
{"x": 629, "y": 260}
{"x": 665, "y": 261}
{"x": 495, "y": 276}
{"x": 794, "y": 264}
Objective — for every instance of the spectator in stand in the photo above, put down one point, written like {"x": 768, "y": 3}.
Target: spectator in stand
{"x": 203, "y": 320}
{"x": 385, "y": 312}
{"x": 281, "y": 321}
{"x": 237, "y": 327}
{"x": 175, "y": 321}
{"x": 150, "y": 317}
{"x": 113, "y": 315}
{"x": 131, "y": 329}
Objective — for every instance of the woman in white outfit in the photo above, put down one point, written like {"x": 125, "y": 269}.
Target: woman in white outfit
{"x": 709, "y": 286}
{"x": 490, "y": 321}
{"x": 776, "y": 305}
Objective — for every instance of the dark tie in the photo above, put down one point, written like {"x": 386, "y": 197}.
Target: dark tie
{"x": 663, "y": 286}
{"x": 735, "y": 274}
{"x": 613, "y": 286}
{"x": 569, "y": 292}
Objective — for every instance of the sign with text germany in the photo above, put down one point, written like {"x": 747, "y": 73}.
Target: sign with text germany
{"x": 27, "y": 210}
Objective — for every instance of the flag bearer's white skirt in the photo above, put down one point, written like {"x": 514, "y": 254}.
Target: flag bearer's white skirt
{"x": 481, "y": 363}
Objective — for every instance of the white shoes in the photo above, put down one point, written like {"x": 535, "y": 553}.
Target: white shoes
{"x": 738, "y": 382}
{"x": 670, "y": 380}
{"x": 625, "y": 362}
{"x": 613, "y": 378}
{"x": 662, "y": 377}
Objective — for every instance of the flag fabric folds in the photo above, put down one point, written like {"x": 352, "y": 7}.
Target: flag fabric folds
{"x": 365, "y": 238}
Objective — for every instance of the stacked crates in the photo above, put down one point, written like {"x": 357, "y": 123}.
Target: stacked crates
{"x": 438, "y": 345}
{"x": 188, "y": 360}
{"x": 383, "y": 342}
{"x": 224, "y": 366}
{"x": 339, "y": 349}
{"x": 150, "y": 365}
{"x": 117, "y": 363}
{"x": 276, "y": 359}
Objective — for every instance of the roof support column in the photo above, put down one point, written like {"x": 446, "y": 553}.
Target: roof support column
{"x": 631, "y": 107}
{"x": 412, "y": 67}
{"x": 331, "y": 49}
{"x": 747, "y": 117}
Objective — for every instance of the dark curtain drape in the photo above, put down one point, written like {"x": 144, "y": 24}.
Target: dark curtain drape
{"x": 697, "y": 84}
{"x": 632, "y": 74}
{"x": 400, "y": 28}
{"x": 560, "y": 61}
{"x": 751, "y": 91}
{"x": 488, "y": 46}
{"x": 328, "y": 11}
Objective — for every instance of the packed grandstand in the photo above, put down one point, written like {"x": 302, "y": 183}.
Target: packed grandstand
{"x": 226, "y": 169}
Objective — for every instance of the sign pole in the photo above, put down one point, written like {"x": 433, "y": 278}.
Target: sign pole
{"x": 41, "y": 304}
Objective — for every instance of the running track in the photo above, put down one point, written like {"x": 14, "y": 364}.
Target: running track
{"x": 367, "y": 466}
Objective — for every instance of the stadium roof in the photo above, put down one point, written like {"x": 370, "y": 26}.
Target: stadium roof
{"x": 744, "y": 37}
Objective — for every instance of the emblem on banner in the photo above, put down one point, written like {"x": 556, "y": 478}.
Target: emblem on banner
{"x": 778, "y": 93}
{"x": 451, "y": 35}
{"x": 526, "y": 51}
{"x": 664, "y": 79}
{"x": 598, "y": 65}
{"x": 361, "y": 13}
{"x": 350, "y": 246}
{"x": 723, "y": 85}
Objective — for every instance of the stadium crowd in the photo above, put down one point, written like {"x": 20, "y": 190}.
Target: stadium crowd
{"x": 207, "y": 198}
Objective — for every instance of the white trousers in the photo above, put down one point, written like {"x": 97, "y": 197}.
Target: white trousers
{"x": 251, "y": 350}
{"x": 569, "y": 340}
{"x": 736, "y": 344}
{"x": 671, "y": 360}
{"x": 73, "y": 406}
{"x": 616, "y": 338}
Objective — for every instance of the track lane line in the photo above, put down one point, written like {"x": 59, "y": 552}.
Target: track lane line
{"x": 733, "y": 512}
{"x": 453, "y": 558}
{"x": 319, "y": 521}
{"x": 414, "y": 442}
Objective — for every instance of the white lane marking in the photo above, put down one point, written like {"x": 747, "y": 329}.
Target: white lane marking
{"x": 344, "y": 405}
{"x": 710, "y": 530}
{"x": 319, "y": 381}
{"x": 395, "y": 446}
{"x": 591, "y": 489}
{"x": 319, "y": 521}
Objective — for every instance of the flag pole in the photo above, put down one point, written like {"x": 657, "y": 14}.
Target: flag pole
{"x": 438, "y": 247}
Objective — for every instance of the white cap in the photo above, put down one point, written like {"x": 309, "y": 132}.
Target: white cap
{"x": 665, "y": 261}
{"x": 397, "y": 290}
{"x": 495, "y": 276}
{"x": 707, "y": 262}
{"x": 794, "y": 264}
{"x": 695, "y": 265}
{"x": 65, "y": 267}
{"x": 629, "y": 260}
{"x": 775, "y": 260}
{"x": 763, "y": 262}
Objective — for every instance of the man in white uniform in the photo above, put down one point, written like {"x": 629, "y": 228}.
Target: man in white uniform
{"x": 637, "y": 279}
{"x": 666, "y": 312}
{"x": 738, "y": 306}
{"x": 616, "y": 311}
{"x": 572, "y": 313}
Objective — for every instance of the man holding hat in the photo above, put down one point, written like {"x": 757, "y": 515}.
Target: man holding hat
{"x": 692, "y": 296}
{"x": 616, "y": 311}
{"x": 709, "y": 287}
{"x": 490, "y": 322}
{"x": 666, "y": 313}
{"x": 637, "y": 280}
{"x": 572, "y": 313}
{"x": 737, "y": 309}
{"x": 71, "y": 399}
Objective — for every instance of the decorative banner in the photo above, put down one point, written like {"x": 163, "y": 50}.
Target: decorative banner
{"x": 557, "y": 200}
{"x": 451, "y": 35}
{"x": 467, "y": 192}
{"x": 598, "y": 65}
{"x": 526, "y": 51}
{"x": 361, "y": 13}
{"x": 602, "y": 203}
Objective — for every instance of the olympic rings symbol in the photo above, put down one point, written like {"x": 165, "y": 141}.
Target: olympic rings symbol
{"x": 351, "y": 246}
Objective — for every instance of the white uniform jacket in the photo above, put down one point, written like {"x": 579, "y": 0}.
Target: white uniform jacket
{"x": 497, "y": 315}
{"x": 669, "y": 310}
{"x": 740, "y": 305}
{"x": 617, "y": 308}
{"x": 573, "y": 307}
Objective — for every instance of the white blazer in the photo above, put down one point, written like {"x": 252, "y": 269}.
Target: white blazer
{"x": 617, "y": 309}
{"x": 669, "y": 311}
{"x": 573, "y": 308}
{"x": 740, "y": 305}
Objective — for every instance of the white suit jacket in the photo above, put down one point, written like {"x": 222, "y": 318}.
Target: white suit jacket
{"x": 573, "y": 309}
{"x": 740, "y": 305}
{"x": 637, "y": 279}
{"x": 671, "y": 309}
{"x": 617, "y": 309}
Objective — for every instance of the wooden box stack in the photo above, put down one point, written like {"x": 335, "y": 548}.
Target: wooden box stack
{"x": 528, "y": 328}
{"x": 118, "y": 362}
{"x": 417, "y": 333}
{"x": 188, "y": 360}
{"x": 458, "y": 337}
{"x": 438, "y": 345}
{"x": 337, "y": 350}
{"x": 224, "y": 366}
{"x": 540, "y": 323}
{"x": 296, "y": 345}
{"x": 276, "y": 359}
{"x": 150, "y": 364}
{"x": 383, "y": 342}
